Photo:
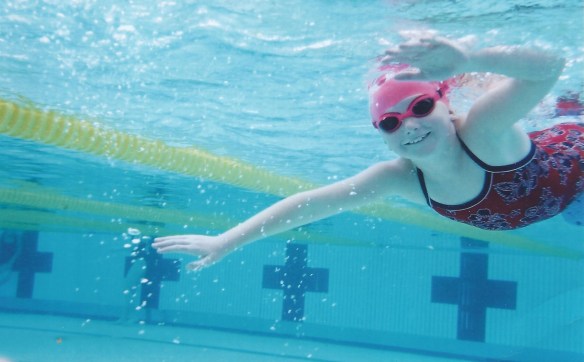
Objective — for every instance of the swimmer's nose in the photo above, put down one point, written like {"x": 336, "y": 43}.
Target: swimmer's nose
{"x": 411, "y": 124}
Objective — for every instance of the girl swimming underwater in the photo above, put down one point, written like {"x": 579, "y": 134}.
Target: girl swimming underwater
{"x": 483, "y": 170}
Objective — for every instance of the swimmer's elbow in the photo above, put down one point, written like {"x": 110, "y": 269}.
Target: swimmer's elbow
{"x": 552, "y": 63}
{"x": 557, "y": 65}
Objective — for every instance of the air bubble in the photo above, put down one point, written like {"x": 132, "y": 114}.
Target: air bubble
{"x": 134, "y": 232}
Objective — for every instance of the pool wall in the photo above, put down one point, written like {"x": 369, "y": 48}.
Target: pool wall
{"x": 429, "y": 293}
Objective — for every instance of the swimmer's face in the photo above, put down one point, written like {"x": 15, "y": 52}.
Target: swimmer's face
{"x": 415, "y": 131}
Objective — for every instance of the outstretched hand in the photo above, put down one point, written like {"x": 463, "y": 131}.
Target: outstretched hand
{"x": 436, "y": 58}
{"x": 210, "y": 249}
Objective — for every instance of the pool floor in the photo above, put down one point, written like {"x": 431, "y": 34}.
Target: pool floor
{"x": 31, "y": 338}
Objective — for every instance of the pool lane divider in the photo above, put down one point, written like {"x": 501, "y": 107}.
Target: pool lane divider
{"x": 32, "y": 207}
{"x": 69, "y": 132}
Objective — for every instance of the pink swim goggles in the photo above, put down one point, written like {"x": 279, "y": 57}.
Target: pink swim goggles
{"x": 419, "y": 107}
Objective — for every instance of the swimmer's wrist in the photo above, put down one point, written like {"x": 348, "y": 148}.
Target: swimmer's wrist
{"x": 230, "y": 240}
{"x": 226, "y": 242}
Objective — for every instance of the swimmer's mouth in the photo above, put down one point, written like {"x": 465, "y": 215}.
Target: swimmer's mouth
{"x": 417, "y": 140}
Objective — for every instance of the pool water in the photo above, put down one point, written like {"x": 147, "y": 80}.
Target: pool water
{"x": 153, "y": 118}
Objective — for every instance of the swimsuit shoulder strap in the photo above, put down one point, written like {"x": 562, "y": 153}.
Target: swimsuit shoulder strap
{"x": 470, "y": 154}
{"x": 423, "y": 186}
{"x": 421, "y": 174}
{"x": 494, "y": 169}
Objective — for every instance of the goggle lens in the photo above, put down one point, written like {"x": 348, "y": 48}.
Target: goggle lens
{"x": 389, "y": 123}
{"x": 419, "y": 108}
{"x": 423, "y": 107}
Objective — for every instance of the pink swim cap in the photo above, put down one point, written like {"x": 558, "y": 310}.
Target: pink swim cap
{"x": 385, "y": 93}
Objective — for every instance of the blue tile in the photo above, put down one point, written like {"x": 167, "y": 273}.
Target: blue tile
{"x": 29, "y": 262}
{"x": 295, "y": 278}
{"x": 473, "y": 292}
{"x": 158, "y": 269}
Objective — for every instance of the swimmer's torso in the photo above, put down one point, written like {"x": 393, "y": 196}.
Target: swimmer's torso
{"x": 533, "y": 189}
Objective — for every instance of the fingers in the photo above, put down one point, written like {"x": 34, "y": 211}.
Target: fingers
{"x": 420, "y": 39}
{"x": 418, "y": 34}
{"x": 201, "y": 263}
{"x": 413, "y": 75}
{"x": 416, "y": 43}
{"x": 161, "y": 244}
{"x": 467, "y": 41}
{"x": 195, "y": 266}
{"x": 170, "y": 245}
{"x": 178, "y": 244}
{"x": 173, "y": 240}
{"x": 170, "y": 239}
{"x": 197, "y": 245}
{"x": 173, "y": 249}
{"x": 407, "y": 53}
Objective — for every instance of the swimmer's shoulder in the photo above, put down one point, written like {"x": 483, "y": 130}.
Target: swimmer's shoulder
{"x": 401, "y": 178}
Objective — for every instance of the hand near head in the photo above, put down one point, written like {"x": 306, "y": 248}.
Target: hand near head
{"x": 436, "y": 58}
{"x": 210, "y": 249}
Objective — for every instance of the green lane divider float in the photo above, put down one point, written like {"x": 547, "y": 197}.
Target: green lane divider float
{"x": 26, "y": 209}
{"x": 68, "y": 132}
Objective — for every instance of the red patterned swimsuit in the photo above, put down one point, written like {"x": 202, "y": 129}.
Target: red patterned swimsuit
{"x": 536, "y": 188}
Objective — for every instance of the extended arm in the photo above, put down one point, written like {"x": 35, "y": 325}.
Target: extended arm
{"x": 289, "y": 213}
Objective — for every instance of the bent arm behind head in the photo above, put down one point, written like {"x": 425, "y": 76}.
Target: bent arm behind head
{"x": 532, "y": 73}
{"x": 490, "y": 128}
